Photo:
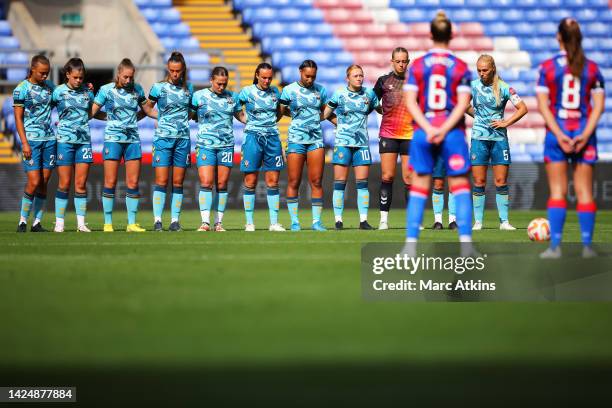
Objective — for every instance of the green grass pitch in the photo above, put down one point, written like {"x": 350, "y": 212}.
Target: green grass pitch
{"x": 262, "y": 299}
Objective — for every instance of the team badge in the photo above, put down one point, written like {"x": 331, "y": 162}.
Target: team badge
{"x": 106, "y": 151}
{"x": 61, "y": 156}
{"x": 384, "y": 143}
{"x": 340, "y": 155}
{"x": 157, "y": 159}
{"x": 456, "y": 162}
{"x": 473, "y": 157}
{"x": 589, "y": 153}
{"x": 246, "y": 163}
{"x": 203, "y": 156}
{"x": 31, "y": 162}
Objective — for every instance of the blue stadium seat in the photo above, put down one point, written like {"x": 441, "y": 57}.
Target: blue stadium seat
{"x": 252, "y": 15}
{"x": 537, "y": 15}
{"x": 199, "y": 75}
{"x": 450, "y": 4}
{"x": 462, "y": 15}
{"x": 169, "y": 15}
{"x": 151, "y": 14}
{"x": 513, "y": 15}
{"x": 413, "y": 15}
{"x": 604, "y": 135}
{"x": 546, "y": 29}
{"x": 596, "y": 29}
{"x": 179, "y": 30}
{"x": 290, "y": 74}
{"x": 509, "y": 75}
{"x": 289, "y": 59}
{"x": 528, "y": 75}
{"x": 16, "y": 74}
{"x": 586, "y": 15}
{"x": 189, "y": 44}
{"x": 558, "y": 14}
{"x": 5, "y": 28}
{"x": 169, "y": 43}
{"x": 9, "y": 42}
{"x": 499, "y": 29}
{"x": 272, "y": 44}
{"x": 199, "y": 58}
{"x": 402, "y": 4}
{"x": 329, "y": 74}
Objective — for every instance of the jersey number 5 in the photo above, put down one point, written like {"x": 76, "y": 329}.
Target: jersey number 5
{"x": 436, "y": 92}
{"x": 570, "y": 96}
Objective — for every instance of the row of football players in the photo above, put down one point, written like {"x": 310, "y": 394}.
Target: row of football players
{"x": 438, "y": 96}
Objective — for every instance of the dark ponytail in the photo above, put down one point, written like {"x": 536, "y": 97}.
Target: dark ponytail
{"x": 37, "y": 59}
{"x": 219, "y": 71}
{"x": 263, "y": 65}
{"x": 308, "y": 64}
{"x": 178, "y": 57}
{"x": 73, "y": 64}
{"x": 571, "y": 37}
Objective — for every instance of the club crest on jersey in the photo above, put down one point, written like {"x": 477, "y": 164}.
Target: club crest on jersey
{"x": 203, "y": 156}
{"x": 246, "y": 163}
{"x": 590, "y": 153}
{"x": 61, "y": 156}
{"x": 456, "y": 162}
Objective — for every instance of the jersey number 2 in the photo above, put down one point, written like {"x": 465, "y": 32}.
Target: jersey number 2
{"x": 436, "y": 92}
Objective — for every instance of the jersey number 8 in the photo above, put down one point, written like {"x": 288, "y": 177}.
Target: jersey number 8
{"x": 436, "y": 93}
{"x": 570, "y": 96}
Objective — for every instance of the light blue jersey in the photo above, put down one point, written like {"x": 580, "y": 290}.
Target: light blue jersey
{"x": 487, "y": 110}
{"x": 73, "y": 107}
{"x": 121, "y": 106}
{"x": 173, "y": 104}
{"x": 352, "y": 110}
{"x": 261, "y": 108}
{"x": 36, "y": 102}
{"x": 305, "y": 107}
{"x": 215, "y": 117}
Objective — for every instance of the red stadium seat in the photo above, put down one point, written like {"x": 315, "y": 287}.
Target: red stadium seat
{"x": 330, "y": 4}
{"x": 471, "y": 30}
{"x": 415, "y": 43}
{"x": 374, "y": 30}
{"x": 367, "y": 58}
{"x": 398, "y": 30}
{"x": 347, "y": 30}
{"x": 384, "y": 44}
{"x": 420, "y": 29}
{"x": 460, "y": 44}
{"x": 348, "y": 16}
{"x": 482, "y": 44}
{"x": 358, "y": 44}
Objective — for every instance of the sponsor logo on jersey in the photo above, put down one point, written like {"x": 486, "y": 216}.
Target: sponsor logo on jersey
{"x": 456, "y": 162}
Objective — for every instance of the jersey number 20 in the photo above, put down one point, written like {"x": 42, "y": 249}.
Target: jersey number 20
{"x": 570, "y": 95}
{"x": 436, "y": 92}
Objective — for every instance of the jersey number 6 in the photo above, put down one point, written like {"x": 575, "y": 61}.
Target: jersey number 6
{"x": 436, "y": 92}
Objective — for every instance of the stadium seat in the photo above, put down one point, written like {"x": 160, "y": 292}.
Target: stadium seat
{"x": 5, "y": 28}
{"x": 9, "y": 42}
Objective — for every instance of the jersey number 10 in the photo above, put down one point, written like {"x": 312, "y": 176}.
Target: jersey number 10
{"x": 436, "y": 92}
{"x": 570, "y": 95}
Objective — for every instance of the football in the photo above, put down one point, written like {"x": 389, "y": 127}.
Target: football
{"x": 538, "y": 229}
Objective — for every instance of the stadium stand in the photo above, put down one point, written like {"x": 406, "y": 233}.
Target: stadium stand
{"x": 518, "y": 34}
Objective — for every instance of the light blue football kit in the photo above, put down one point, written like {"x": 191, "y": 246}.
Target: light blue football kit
{"x": 262, "y": 148}
{"x": 121, "y": 138}
{"x": 305, "y": 133}
{"x": 351, "y": 146}
{"x": 215, "y": 140}
{"x": 171, "y": 143}
{"x": 489, "y": 145}
{"x": 36, "y": 103}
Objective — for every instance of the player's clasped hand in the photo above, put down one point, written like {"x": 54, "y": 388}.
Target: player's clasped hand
{"x": 566, "y": 144}
{"x": 434, "y": 135}
{"x": 579, "y": 142}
